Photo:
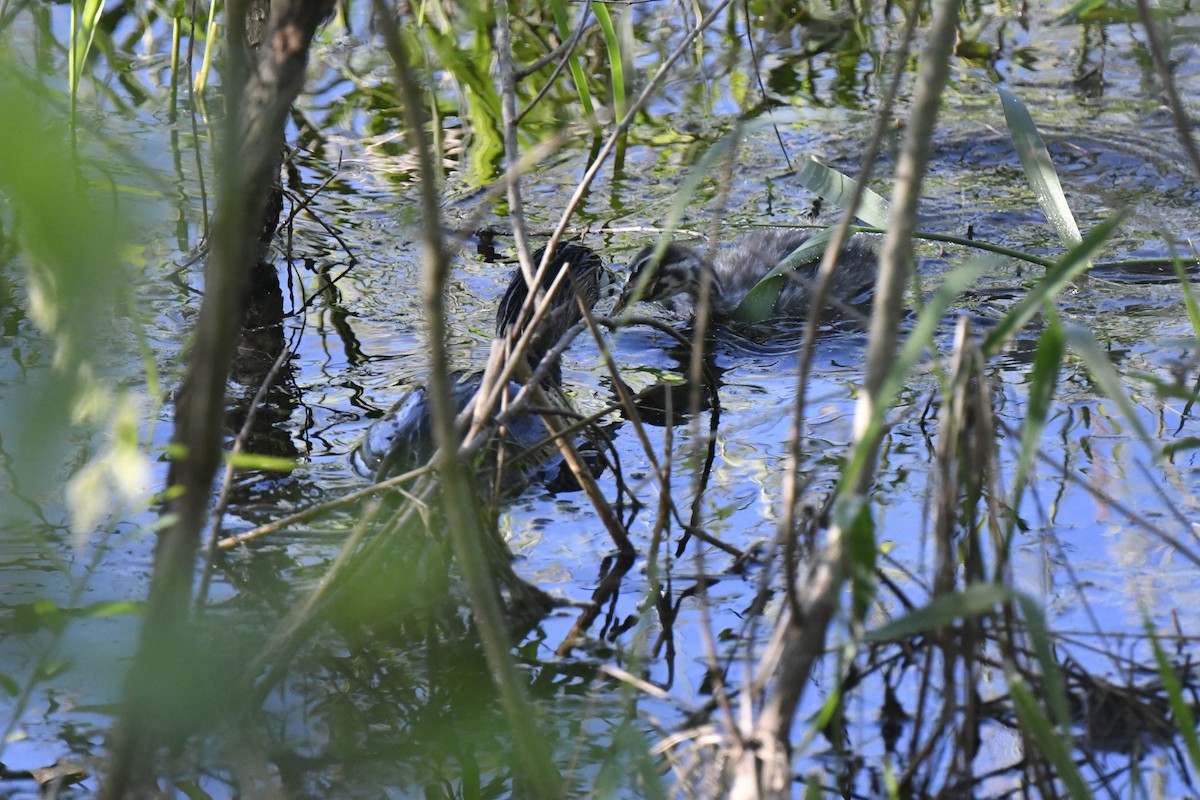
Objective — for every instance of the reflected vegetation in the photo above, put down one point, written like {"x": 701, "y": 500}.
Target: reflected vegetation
{"x": 1015, "y": 595}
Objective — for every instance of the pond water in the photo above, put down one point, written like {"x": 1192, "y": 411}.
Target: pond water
{"x": 359, "y": 714}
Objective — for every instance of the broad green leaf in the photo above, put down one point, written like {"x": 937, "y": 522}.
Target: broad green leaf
{"x": 1039, "y": 169}
{"x": 1056, "y": 279}
{"x": 759, "y": 302}
{"x": 1105, "y": 375}
{"x": 261, "y": 462}
{"x": 837, "y": 189}
{"x": 1185, "y": 721}
{"x": 971, "y": 602}
{"x": 1054, "y": 744}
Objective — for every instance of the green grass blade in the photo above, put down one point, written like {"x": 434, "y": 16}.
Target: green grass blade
{"x": 837, "y": 189}
{"x": 259, "y": 461}
{"x": 760, "y": 301}
{"x": 855, "y": 519}
{"x": 210, "y": 46}
{"x": 564, "y": 29}
{"x": 1055, "y": 743}
{"x": 931, "y": 316}
{"x": 691, "y": 184}
{"x": 615, "y": 65}
{"x": 1105, "y": 375}
{"x": 1101, "y": 11}
{"x": 85, "y": 18}
{"x": 1189, "y": 296}
{"x": 1043, "y": 382}
{"x": 1057, "y": 277}
{"x": 1039, "y": 169}
{"x": 1039, "y": 636}
{"x": 979, "y": 598}
{"x": 1185, "y": 721}
{"x": 1051, "y": 742}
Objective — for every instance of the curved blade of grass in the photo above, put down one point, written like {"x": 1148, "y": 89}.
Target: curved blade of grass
{"x": 854, "y": 518}
{"x": 85, "y": 17}
{"x": 760, "y": 301}
{"x": 1056, "y": 279}
{"x": 1055, "y": 743}
{"x": 1043, "y": 381}
{"x": 1103, "y": 373}
{"x": 1185, "y": 721}
{"x": 210, "y": 46}
{"x": 564, "y": 29}
{"x": 615, "y": 65}
{"x": 1051, "y": 742}
{"x": 1101, "y": 11}
{"x": 1047, "y": 361}
{"x": 931, "y": 316}
{"x": 837, "y": 189}
{"x": 979, "y": 598}
{"x": 1039, "y": 169}
{"x": 1043, "y": 649}
{"x": 1189, "y": 296}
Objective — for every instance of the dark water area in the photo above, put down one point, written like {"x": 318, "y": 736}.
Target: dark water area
{"x": 375, "y": 704}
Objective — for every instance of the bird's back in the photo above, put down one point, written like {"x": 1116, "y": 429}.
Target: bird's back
{"x": 740, "y": 267}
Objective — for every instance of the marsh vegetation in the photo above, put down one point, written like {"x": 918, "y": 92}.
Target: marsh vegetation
{"x": 937, "y": 544}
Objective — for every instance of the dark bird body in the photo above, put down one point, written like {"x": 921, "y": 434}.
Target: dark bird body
{"x": 403, "y": 438}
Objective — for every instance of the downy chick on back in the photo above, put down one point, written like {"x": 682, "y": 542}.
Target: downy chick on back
{"x": 673, "y": 278}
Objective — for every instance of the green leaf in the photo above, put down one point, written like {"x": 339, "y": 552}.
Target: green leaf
{"x": 1039, "y": 169}
{"x": 1054, "y": 690}
{"x": 1185, "y": 721}
{"x": 1043, "y": 382}
{"x": 111, "y": 608}
{"x": 1052, "y": 743}
{"x": 1181, "y": 445}
{"x": 260, "y": 462}
{"x": 615, "y": 64}
{"x": 759, "y": 302}
{"x": 855, "y": 520}
{"x": 1056, "y": 279}
{"x": 837, "y": 189}
{"x": 930, "y": 320}
{"x": 564, "y": 29}
{"x": 1105, "y": 375}
{"x": 1189, "y": 296}
{"x": 977, "y": 599}
{"x": 1101, "y": 11}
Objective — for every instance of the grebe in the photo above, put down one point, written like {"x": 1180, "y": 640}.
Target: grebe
{"x": 403, "y": 438}
{"x": 674, "y": 277}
